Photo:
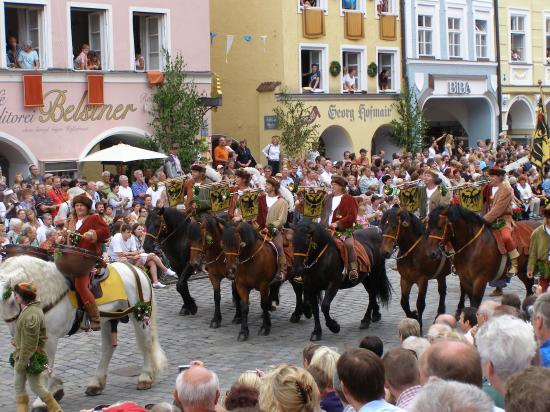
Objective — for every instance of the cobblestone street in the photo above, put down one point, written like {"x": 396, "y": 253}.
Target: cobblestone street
{"x": 188, "y": 338}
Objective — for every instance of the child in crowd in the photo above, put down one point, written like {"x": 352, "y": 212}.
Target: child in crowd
{"x": 362, "y": 217}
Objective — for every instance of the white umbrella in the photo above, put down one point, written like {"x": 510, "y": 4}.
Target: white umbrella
{"x": 122, "y": 153}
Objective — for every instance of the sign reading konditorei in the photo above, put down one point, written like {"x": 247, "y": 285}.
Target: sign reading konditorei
{"x": 363, "y": 111}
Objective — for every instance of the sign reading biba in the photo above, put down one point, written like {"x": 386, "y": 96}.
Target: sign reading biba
{"x": 458, "y": 87}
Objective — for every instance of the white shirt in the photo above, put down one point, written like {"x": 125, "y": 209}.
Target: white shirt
{"x": 349, "y": 81}
{"x": 431, "y": 152}
{"x": 335, "y": 203}
{"x": 325, "y": 178}
{"x": 118, "y": 245}
{"x": 272, "y": 152}
{"x": 64, "y": 210}
{"x": 126, "y": 192}
{"x": 429, "y": 193}
{"x": 525, "y": 191}
{"x": 41, "y": 233}
{"x": 155, "y": 194}
{"x": 270, "y": 201}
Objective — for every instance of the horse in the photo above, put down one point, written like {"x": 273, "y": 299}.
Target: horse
{"x": 318, "y": 262}
{"x": 253, "y": 262}
{"x": 479, "y": 258}
{"x": 167, "y": 228}
{"x": 403, "y": 229}
{"x": 60, "y": 314}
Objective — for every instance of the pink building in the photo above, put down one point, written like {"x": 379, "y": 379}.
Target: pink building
{"x": 65, "y": 129}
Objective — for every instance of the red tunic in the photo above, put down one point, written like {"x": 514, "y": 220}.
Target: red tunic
{"x": 262, "y": 211}
{"x": 345, "y": 214}
{"x": 93, "y": 222}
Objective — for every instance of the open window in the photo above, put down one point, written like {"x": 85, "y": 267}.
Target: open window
{"x": 89, "y": 36}
{"x": 352, "y": 6}
{"x": 518, "y": 38}
{"x": 24, "y": 33}
{"x": 547, "y": 38}
{"x": 149, "y": 41}
{"x": 319, "y": 4}
{"x": 353, "y": 69}
{"x": 386, "y": 7}
{"x": 312, "y": 70}
{"x": 388, "y": 78}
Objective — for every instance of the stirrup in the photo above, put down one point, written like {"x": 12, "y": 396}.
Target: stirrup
{"x": 353, "y": 275}
{"x": 298, "y": 280}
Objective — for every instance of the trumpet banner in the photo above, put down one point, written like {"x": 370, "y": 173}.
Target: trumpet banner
{"x": 313, "y": 204}
{"x": 249, "y": 205}
{"x": 410, "y": 198}
{"x": 471, "y": 198}
{"x": 219, "y": 199}
{"x": 175, "y": 192}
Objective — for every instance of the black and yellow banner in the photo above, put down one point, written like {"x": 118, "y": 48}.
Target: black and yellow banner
{"x": 540, "y": 150}
{"x": 313, "y": 203}
{"x": 409, "y": 198}
{"x": 471, "y": 198}
{"x": 249, "y": 205}
{"x": 174, "y": 190}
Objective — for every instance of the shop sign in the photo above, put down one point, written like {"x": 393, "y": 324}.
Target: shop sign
{"x": 458, "y": 87}
{"x": 270, "y": 122}
{"x": 362, "y": 112}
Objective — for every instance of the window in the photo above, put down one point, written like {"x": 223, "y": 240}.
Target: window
{"x": 425, "y": 35}
{"x": 24, "y": 27}
{"x": 321, "y": 4}
{"x": 352, "y": 5}
{"x": 352, "y": 71}
{"x": 90, "y": 45}
{"x": 149, "y": 41}
{"x": 481, "y": 39}
{"x": 312, "y": 66}
{"x": 517, "y": 38}
{"x": 453, "y": 26}
{"x": 547, "y": 31}
{"x": 385, "y": 7}
{"x": 387, "y": 79}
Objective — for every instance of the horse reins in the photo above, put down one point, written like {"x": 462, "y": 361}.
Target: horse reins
{"x": 443, "y": 237}
{"x": 395, "y": 238}
{"x": 203, "y": 251}
{"x": 161, "y": 228}
{"x": 240, "y": 262}
{"x": 306, "y": 255}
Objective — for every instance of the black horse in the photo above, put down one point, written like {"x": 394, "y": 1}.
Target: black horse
{"x": 318, "y": 262}
{"x": 168, "y": 228}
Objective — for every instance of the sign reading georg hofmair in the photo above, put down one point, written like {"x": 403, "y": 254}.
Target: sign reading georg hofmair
{"x": 56, "y": 109}
{"x": 363, "y": 112}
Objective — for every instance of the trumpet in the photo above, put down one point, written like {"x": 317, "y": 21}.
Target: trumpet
{"x": 468, "y": 185}
{"x": 395, "y": 189}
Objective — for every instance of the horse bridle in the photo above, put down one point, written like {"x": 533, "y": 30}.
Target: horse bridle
{"x": 443, "y": 238}
{"x": 395, "y": 239}
{"x": 238, "y": 253}
{"x": 306, "y": 255}
{"x": 202, "y": 250}
{"x": 163, "y": 227}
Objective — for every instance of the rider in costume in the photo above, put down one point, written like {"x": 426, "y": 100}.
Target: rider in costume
{"x": 272, "y": 217}
{"x": 500, "y": 213}
{"x": 340, "y": 213}
{"x": 242, "y": 182}
{"x": 435, "y": 193}
{"x": 539, "y": 252}
{"x": 198, "y": 177}
{"x": 29, "y": 338}
{"x": 94, "y": 233}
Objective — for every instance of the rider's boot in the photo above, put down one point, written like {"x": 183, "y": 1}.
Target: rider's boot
{"x": 281, "y": 273}
{"x": 93, "y": 315}
{"x": 353, "y": 273}
{"x": 22, "y": 403}
{"x": 513, "y": 255}
{"x": 51, "y": 403}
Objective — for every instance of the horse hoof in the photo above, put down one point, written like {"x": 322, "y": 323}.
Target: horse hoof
{"x": 376, "y": 317}
{"x": 334, "y": 327}
{"x": 144, "y": 385}
{"x": 59, "y": 394}
{"x": 243, "y": 336}
{"x": 193, "y": 309}
{"x": 315, "y": 336}
{"x": 94, "y": 390}
{"x": 295, "y": 318}
{"x": 364, "y": 324}
{"x": 40, "y": 409}
{"x": 215, "y": 324}
{"x": 307, "y": 313}
{"x": 237, "y": 320}
{"x": 264, "y": 331}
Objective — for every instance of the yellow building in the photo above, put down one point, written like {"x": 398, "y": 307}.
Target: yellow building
{"x": 524, "y": 30}
{"x": 273, "y": 46}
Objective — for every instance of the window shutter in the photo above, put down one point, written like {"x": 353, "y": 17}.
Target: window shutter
{"x": 32, "y": 90}
{"x": 94, "y": 35}
{"x": 154, "y": 44}
{"x": 95, "y": 90}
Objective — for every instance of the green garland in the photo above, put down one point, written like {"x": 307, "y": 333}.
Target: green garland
{"x": 443, "y": 189}
{"x": 335, "y": 68}
{"x": 209, "y": 240}
{"x": 372, "y": 69}
{"x": 142, "y": 310}
{"x": 498, "y": 224}
{"x": 349, "y": 231}
{"x": 37, "y": 363}
{"x": 7, "y": 294}
{"x": 542, "y": 269}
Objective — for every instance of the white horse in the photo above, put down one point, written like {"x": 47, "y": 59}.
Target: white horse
{"x": 52, "y": 289}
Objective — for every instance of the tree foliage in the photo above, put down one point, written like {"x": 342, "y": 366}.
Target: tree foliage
{"x": 148, "y": 143}
{"x": 177, "y": 113}
{"x": 298, "y": 135}
{"x": 409, "y": 130}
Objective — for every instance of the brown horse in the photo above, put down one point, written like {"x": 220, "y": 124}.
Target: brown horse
{"x": 403, "y": 229}
{"x": 205, "y": 241}
{"x": 476, "y": 257}
{"x": 253, "y": 262}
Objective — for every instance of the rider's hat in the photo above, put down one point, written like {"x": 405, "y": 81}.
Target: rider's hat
{"x": 273, "y": 182}
{"x": 340, "y": 181}
{"x": 243, "y": 174}
{"x": 26, "y": 290}
{"x": 198, "y": 168}
{"x": 432, "y": 173}
{"x": 83, "y": 199}
{"x": 496, "y": 172}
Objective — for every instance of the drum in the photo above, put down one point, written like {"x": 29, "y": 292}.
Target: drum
{"x": 313, "y": 201}
{"x": 17, "y": 250}
{"x": 175, "y": 191}
{"x": 75, "y": 262}
{"x": 249, "y": 205}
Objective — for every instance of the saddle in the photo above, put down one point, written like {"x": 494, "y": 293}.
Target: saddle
{"x": 363, "y": 260}
{"x": 521, "y": 233}
{"x": 106, "y": 286}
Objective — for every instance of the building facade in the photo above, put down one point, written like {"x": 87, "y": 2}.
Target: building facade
{"x": 260, "y": 49}
{"x": 127, "y": 39}
{"x": 452, "y": 64}
{"x": 524, "y": 31}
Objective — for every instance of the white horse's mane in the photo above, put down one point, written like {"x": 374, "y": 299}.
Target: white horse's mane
{"x": 50, "y": 283}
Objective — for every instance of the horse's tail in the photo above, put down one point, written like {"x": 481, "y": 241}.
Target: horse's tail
{"x": 157, "y": 354}
{"x": 382, "y": 284}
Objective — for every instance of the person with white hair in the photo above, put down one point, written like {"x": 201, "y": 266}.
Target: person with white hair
{"x": 28, "y": 57}
{"x": 506, "y": 345}
{"x": 437, "y": 331}
{"x": 416, "y": 344}
{"x": 15, "y": 230}
{"x": 197, "y": 390}
{"x": 541, "y": 324}
{"x": 451, "y": 396}
{"x": 125, "y": 192}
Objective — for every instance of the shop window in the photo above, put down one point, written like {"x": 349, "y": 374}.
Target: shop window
{"x": 517, "y": 38}
{"x": 312, "y": 70}
{"x": 24, "y": 25}
{"x": 387, "y": 77}
{"x": 481, "y": 39}
{"x": 547, "y": 36}
{"x": 454, "y": 34}
{"x": 425, "y": 35}
{"x": 89, "y": 36}
{"x": 352, "y": 71}
{"x": 149, "y": 41}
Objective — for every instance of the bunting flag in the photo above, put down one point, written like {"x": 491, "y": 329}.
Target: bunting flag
{"x": 540, "y": 147}
{"x": 228, "y": 45}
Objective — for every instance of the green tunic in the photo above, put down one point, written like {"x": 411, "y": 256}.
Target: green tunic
{"x": 30, "y": 335}
{"x": 539, "y": 246}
